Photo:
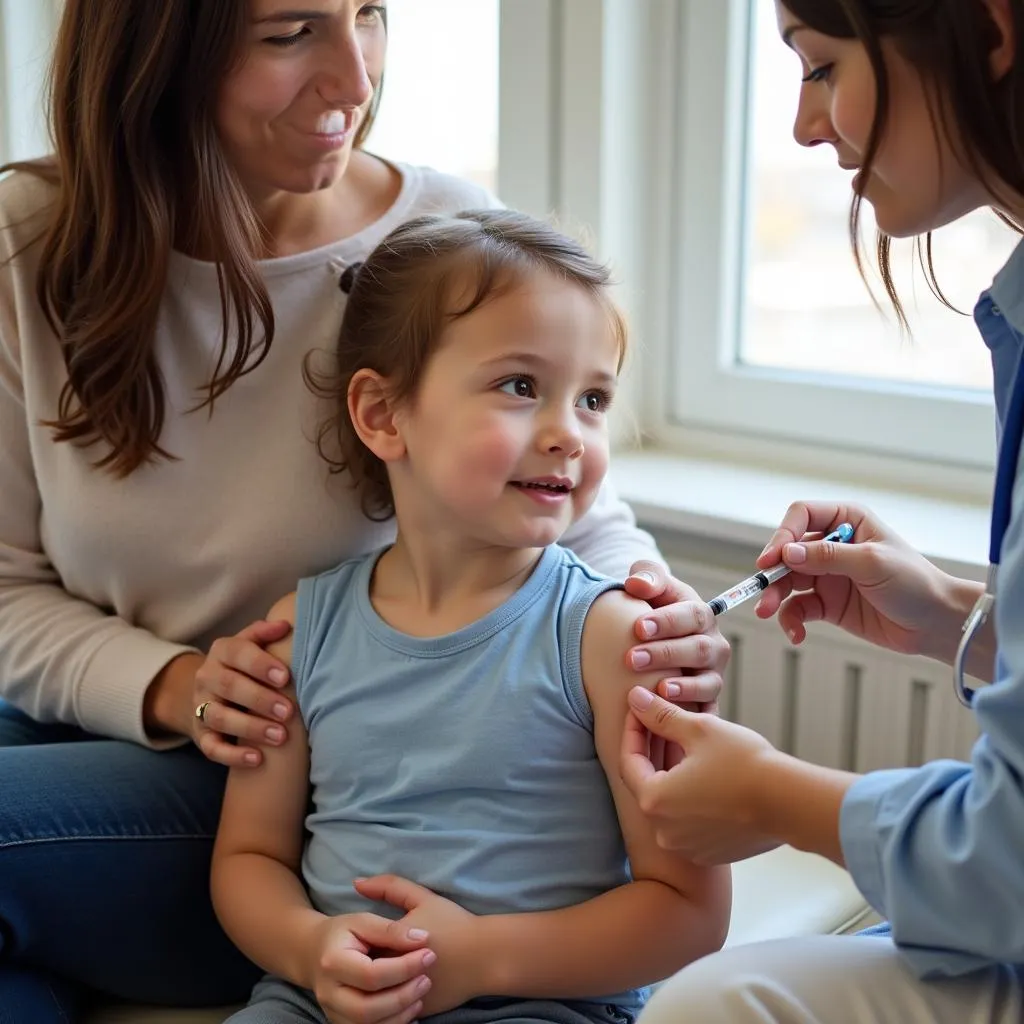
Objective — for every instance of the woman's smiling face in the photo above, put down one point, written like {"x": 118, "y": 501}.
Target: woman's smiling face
{"x": 288, "y": 114}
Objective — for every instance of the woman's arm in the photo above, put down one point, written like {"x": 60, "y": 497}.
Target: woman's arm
{"x": 61, "y": 659}
{"x": 938, "y": 849}
{"x": 935, "y": 849}
{"x": 878, "y": 588}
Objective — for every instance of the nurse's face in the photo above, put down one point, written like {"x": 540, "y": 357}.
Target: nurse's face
{"x": 916, "y": 183}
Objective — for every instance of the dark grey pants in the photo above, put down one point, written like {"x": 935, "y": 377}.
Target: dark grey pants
{"x": 276, "y": 1002}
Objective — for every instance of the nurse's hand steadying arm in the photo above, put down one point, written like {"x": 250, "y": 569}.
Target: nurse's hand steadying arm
{"x": 733, "y": 794}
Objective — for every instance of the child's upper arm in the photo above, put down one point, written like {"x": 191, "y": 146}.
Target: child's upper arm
{"x": 607, "y": 636}
{"x": 264, "y": 807}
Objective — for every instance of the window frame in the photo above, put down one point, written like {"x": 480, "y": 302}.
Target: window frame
{"x": 701, "y": 386}
{"x": 579, "y": 133}
{"x": 615, "y": 126}
{"x": 27, "y": 31}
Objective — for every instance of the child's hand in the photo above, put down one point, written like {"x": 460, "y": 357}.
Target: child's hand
{"x": 453, "y": 937}
{"x": 369, "y": 970}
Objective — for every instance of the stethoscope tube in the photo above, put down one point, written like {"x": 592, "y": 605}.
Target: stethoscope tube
{"x": 972, "y": 624}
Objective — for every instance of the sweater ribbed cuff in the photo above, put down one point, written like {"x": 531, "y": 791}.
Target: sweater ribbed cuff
{"x": 110, "y": 698}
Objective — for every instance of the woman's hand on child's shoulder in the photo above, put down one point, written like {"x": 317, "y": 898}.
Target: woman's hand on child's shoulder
{"x": 369, "y": 970}
{"x": 237, "y": 694}
{"x": 679, "y": 636}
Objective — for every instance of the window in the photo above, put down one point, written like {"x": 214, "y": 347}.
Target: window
{"x": 802, "y": 286}
{"x": 771, "y": 331}
{"x": 662, "y": 129}
{"x": 440, "y": 101}
{"x": 26, "y": 34}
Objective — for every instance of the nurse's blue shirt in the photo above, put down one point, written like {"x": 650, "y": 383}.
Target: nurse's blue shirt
{"x": 939, "y": 850}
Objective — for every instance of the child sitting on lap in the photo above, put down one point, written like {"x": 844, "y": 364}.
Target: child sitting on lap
{"x": 462, "y": 692}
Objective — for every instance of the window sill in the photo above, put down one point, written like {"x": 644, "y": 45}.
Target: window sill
{"x": 736, "y": 504}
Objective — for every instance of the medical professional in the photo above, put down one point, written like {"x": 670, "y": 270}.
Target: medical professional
{"x": 926, "y": 99}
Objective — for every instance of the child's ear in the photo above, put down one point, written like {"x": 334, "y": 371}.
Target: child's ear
{"x": 373, "y": 415}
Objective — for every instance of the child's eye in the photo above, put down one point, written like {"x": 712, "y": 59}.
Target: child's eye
{"x": 821, "y": 74}
{"x": 521, "y": 387}
{"x": 594, "y": 401}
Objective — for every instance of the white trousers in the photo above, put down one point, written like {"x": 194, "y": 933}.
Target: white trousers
{"x": 830, "y": 979}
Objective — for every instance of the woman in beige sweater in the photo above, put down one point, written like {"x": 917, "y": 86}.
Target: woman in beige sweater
{"x": 161, "y": 281}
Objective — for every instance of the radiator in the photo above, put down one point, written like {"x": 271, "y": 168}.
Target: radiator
{"x": 834, "y": 700}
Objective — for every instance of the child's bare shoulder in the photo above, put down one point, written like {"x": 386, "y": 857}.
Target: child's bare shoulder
{"x": 612, "y": 617}
{"x": 609, "y": 633}
{"x": 283, "y": 609}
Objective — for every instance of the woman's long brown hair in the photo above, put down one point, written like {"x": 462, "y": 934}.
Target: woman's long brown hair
{"x": 949, "y": 43}
{"x": 139, "y": 168}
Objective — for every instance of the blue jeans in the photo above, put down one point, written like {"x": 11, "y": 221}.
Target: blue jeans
{"x": 104, "y": 863}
